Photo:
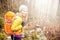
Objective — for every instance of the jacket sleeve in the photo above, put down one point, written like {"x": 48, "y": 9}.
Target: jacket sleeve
{"x": 23, "y": 24}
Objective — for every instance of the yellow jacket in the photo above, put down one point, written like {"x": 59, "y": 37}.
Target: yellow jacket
{"x": 16, "y": 25}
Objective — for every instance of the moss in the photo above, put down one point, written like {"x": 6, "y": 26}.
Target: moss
{"x": 2, "y": 36}
{"x": 1, "y": 22}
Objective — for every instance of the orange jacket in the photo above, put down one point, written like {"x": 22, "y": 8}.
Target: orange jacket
{"x": 8, "y": 22}
{"x": 7, "y": 27}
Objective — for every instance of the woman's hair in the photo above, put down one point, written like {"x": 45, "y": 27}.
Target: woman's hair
{"x": 23, "y": 8}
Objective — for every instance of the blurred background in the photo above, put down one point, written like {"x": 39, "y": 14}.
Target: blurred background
{"x": 45, "y": 13}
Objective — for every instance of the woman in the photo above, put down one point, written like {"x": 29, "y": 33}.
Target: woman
{"x": 17, "y": 28}
{"x": 8, "y": 22}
